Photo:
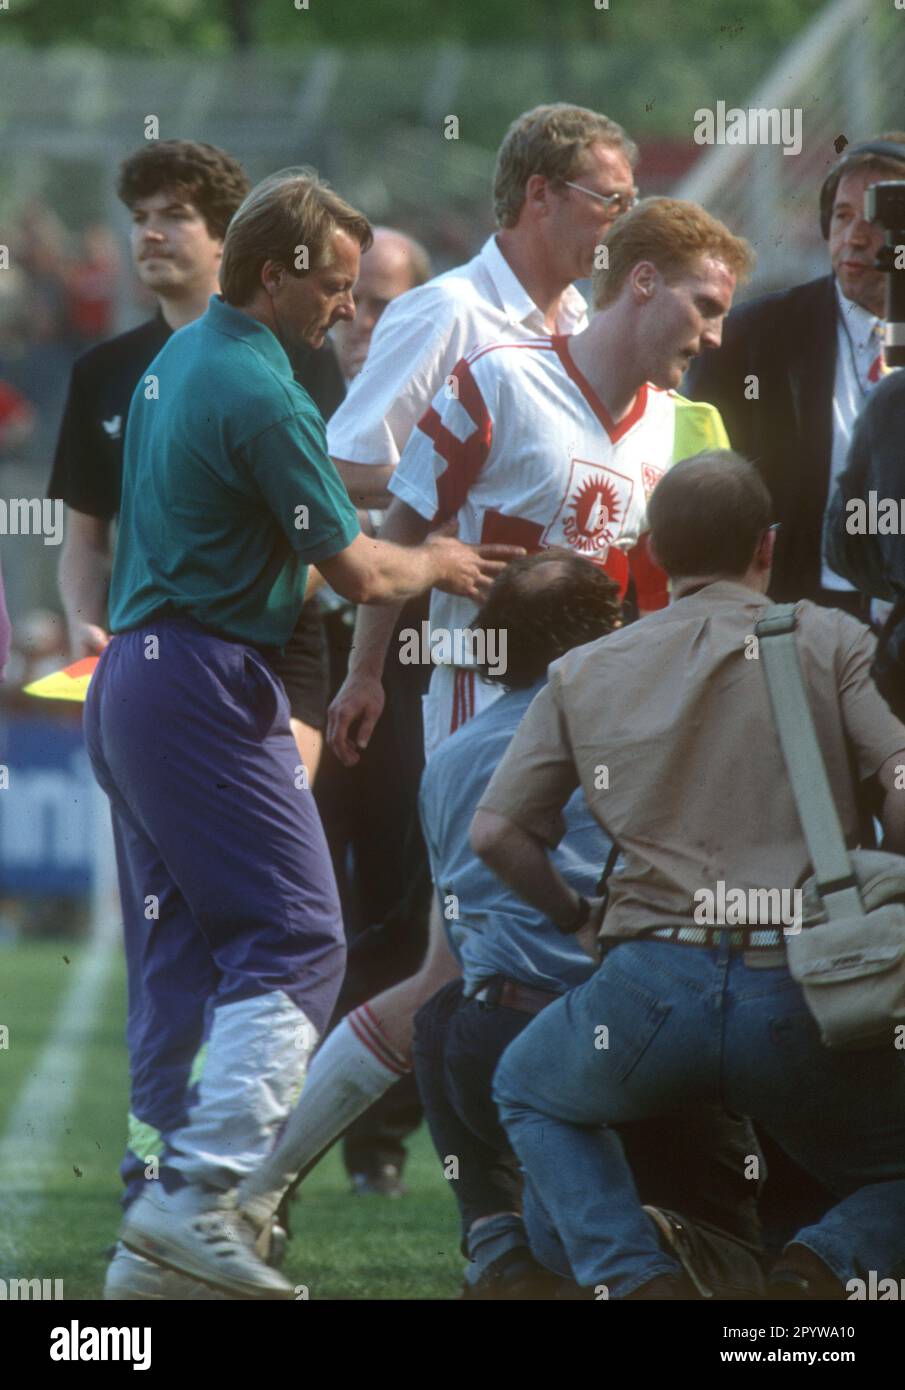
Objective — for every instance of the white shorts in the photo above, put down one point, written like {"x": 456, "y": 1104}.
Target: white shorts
{"x": 455, "y": 695}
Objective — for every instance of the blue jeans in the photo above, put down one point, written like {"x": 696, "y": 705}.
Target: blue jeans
{"x": 660, "y": 1027}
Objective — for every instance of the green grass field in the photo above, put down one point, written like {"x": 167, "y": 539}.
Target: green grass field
{"x": 59, "y": 1186}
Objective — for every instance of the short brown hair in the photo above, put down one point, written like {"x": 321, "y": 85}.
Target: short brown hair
{"x": 291, "y": 209}
{"x": 205, "y": 176}
{"x": 708, "y": 513}
{"x": 549, "y": 140}
{"x": 547, "y": 604}
{"x": 672, "y": 234}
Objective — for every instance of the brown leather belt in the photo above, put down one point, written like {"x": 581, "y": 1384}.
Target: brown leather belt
{"x": 509, "y": 994}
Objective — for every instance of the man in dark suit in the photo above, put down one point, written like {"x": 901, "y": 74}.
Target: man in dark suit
{"x": 795, "y": 369}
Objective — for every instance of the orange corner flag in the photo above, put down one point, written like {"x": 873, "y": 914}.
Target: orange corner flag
{"x": 69, "y": 684}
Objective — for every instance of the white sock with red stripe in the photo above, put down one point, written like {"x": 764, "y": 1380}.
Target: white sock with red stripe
{"x": 353, "y": 1067}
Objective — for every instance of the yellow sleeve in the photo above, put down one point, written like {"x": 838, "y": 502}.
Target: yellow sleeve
{"x": 699, "y": 426}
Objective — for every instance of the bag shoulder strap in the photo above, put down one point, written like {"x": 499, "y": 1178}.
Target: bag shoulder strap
{"x": 608, "y": 867}
{"x": 830, "y": 858}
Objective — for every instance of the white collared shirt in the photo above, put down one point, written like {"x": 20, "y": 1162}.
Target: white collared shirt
{"x": 858, "y": 343}
{"x": 420, "y": 338}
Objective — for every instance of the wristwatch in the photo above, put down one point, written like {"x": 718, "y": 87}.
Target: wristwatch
{"x": 581, "y": 917}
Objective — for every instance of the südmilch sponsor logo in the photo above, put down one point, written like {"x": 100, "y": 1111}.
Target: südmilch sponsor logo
{"x": 722, "y": 906}
{"x": 77, "y": 1343}
{"x": 756, "y": 125}
{"x": 458, "y": 646}
{"x": 37, "y": 1289}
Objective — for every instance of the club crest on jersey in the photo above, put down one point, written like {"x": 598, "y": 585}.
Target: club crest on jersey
{"x": 650, "y": 476}
{"x": 593, "y": 511}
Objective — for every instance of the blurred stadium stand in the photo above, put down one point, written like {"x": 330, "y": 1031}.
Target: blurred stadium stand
{"x": 845, "y": 72}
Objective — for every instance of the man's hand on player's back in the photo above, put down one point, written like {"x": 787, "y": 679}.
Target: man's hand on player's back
{"x": 377, "y": 571}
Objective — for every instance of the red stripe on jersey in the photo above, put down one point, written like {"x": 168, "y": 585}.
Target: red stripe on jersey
{"x": 499, "y": 529}
{"x": 464, "y": 459}
{"x": 615, "y": 432}
{"x": 535, "y": 345}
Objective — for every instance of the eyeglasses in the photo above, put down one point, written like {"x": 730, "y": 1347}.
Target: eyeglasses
{"x": 622, "y": 202}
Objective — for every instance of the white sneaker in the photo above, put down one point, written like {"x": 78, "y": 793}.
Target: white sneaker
{"x": 202, "y": 1234}
{"x": 132, "y": 1277}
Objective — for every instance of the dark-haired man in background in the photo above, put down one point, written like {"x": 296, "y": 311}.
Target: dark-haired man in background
{"x": 795, "y": 369}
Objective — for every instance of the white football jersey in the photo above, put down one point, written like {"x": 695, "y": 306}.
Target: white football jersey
{"x": 521, "y": 449}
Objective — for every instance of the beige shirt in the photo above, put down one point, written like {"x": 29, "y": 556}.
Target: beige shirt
{"x": 666, "y": 725}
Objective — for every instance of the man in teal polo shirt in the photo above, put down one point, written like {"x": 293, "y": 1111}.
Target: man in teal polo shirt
{"x": 233, "y": 930}
{"x": 229, "y": 542}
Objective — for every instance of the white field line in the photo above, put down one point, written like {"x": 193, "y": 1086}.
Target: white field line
{"x": 31, "y": 1144}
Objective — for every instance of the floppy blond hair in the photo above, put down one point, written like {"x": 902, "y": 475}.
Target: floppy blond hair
{"x": 288, "y": 210}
